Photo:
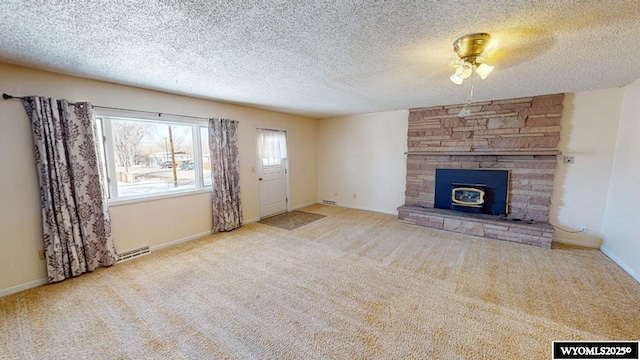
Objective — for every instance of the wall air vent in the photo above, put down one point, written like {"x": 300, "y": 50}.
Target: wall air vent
{"x": 329, "y": 202}
{"x": 133, "y": 254}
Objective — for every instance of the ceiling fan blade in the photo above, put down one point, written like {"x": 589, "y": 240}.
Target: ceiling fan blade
{"x": 457, "y": 62}
{"x": 510, "y": 47}
{"x": 488, "y": 55}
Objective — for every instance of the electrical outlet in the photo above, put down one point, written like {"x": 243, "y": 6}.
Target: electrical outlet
{"x": 584, "y": 227}
{"x": 41, "y": 254}
{"x": 568, "y": 159}
{"x": 354, "y": 196}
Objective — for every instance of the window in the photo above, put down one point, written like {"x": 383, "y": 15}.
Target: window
{"x": 271, "y": 145}
{"x": 206, "y": 165}
{"x": 145, "y": 158}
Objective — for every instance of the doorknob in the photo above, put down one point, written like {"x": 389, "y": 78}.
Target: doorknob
{"x": 259, "y": 179}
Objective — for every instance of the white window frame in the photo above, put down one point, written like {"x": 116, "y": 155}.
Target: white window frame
{"x": 196, "y": 125}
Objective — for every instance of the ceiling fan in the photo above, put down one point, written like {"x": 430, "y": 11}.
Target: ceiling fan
{"x": 473, "y": 50}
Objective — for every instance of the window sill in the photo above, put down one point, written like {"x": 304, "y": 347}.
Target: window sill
{"x": 134, "y": 200}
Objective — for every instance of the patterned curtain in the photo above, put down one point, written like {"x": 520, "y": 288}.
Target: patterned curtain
{"x": 225, "y": 174}
{"x": 75, "y": 216}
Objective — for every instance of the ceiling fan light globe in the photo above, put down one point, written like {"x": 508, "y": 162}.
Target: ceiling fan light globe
{"x": 456, "y": 79}
{"x": 484, "y": 70}
{"x": 467, "y": 70}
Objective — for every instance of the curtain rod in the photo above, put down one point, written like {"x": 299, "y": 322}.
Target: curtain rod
{"x": 6, "y": 96}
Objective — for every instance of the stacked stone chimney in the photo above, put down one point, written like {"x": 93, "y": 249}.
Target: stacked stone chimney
{"x": 520, "y": 135}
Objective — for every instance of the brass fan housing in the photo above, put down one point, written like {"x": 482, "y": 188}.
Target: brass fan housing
{"x": 470, "y": 46}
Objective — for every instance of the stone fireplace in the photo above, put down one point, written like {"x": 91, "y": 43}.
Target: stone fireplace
{"x": 518, "y": 136}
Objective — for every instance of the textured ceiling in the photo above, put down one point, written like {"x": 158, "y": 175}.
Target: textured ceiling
{"x": 326, "y": 58}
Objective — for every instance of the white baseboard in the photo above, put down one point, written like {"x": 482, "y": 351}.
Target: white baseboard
{"x": 245, "y": 222}
{"x": 21, "y": 287}
{"x": 624, "y": 266}
{"x": 368, "y": 209}
{"x": 583, "y": 243}
{"x": 179, "y": 241}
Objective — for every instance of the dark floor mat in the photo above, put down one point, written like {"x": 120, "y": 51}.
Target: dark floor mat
{"x": 291, "y": 220}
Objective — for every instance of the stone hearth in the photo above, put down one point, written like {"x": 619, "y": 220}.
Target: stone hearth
{"x": 537, "y": 234}
{"x": 520, "y": 135}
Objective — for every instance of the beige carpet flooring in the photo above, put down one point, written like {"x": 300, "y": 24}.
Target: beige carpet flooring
{"x": 353, "y": 285}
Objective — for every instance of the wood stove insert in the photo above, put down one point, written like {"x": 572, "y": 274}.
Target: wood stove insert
{"x": 470, "y": 190}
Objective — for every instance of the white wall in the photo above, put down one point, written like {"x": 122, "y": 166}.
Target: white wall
{"x": 621, "y": 236}
{"x": 363, "y": 155}
{"x": 589, "y": 128}
{"x": 134, "y": 225}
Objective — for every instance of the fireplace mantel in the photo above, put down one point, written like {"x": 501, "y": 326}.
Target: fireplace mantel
{"x": 487, "y": 153}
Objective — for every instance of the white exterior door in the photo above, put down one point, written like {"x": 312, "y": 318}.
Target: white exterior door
{"x": 273, "y": 190}
{"x": 272, "y": 172}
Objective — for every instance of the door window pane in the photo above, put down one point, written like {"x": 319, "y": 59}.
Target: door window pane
{"x": 271, "y": 146}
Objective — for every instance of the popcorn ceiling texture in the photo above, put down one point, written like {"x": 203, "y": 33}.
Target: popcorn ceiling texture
{"x": 322, "y": 58}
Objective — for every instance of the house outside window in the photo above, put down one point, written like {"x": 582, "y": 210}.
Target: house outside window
{"x": 146, "y": 159}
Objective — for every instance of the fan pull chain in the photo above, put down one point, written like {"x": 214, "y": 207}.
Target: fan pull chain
{"x": 466, "y": 109}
